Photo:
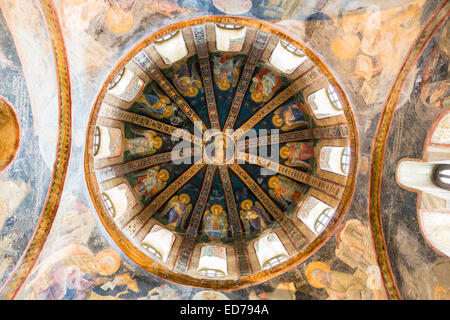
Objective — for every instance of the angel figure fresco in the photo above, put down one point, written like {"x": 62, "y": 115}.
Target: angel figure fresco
{"x": 145, "y": 142}
{"x": 254, "y": 216}
{"x": 296, "y": 153}
{"x": 284, "y": 190}
{"x": 264, "y": 85}
{"x": 177, "y": 210}
{"x": 226, "y": 71}
{"x": 151, "y": 181}
{"x": 155, "y": 104}
{"x": 187, "y": 80}
{"x": 215, "y": 223}
{"x": 289, "y": 117}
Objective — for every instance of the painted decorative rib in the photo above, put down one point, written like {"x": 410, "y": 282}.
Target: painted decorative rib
{"x": 258, "y": 48}
{"x": 119, "y": 170}
{"x": 332, "y": 189}
{"x": 205, "y": 67}
{"x": 187, "y": 246}
{"x": 304, "y": 81}
{"x": 45, "y": 221}
{"x": 296, "y": 237}
{"x": 146, "y": 64}
{"x": 329, "y": 132}
{"x": 235, "y": 222}
{"x": 114, "y": 113}
{"x": 138, "y": 222}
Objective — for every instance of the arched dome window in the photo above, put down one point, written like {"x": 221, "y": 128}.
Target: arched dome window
{"x": 333, "y": 97}
{"x": 345, "y": 160}
{"x": 274, "y": 261}
{"x": 108, "y": 142}
{"x": 108, "y": 204}
{"x": 119, "y": 200}
{"x": 325, "y": 103}
{"x": 315, "y": 214}
{"x": 323, "y": 219}
{"x": 167, "y": 37}
{"x": 289, "y": 47}
{"x": 117, "y": 78}
{"x": 229, "y": 26}
{"x": 213, "y": 261}
{"x": 230, "y": 37}
{"x": 96, "y": 140}
{"x": 171, "y": 47}
{"x": 270, "y": 251}
{"x": 126, "y": 86}
{"x": 335, "y": 159}
{"x": 287, "y": 58}
{"x": 159, "y": 242}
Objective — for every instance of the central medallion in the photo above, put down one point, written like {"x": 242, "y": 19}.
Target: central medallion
{"x": 219, "y": 149}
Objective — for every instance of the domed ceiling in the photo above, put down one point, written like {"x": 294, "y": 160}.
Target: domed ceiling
{"x": 220, "y": 153}
{"x": 167, "y": 180}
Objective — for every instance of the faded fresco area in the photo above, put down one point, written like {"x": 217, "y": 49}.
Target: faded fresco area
{"x": 363, "y": 43}
{"x": 424, "y": 272}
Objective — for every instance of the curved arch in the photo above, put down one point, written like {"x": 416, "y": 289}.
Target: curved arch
{"x": 379, "y": 146}
{"x": 45, "y": 221}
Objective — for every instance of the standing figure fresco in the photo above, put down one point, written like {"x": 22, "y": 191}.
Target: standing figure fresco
{"x": 187, "y": 80}
{"x": 434, "y": 85}
{"x": 155, "y": 104}
{"x": 215, "y": 223}
{"x": 145, "y": 142}
{"x": 289, "y": 117}
{"x": 151, "y": 181}
{"x": 177, "y": 210}
{"x": 296, "y": 153}
{"x": 226, "y": 71}
{"x": 284, "y": 190}
{"x": 264, "y": 85}
{"x": 254, "y": 217}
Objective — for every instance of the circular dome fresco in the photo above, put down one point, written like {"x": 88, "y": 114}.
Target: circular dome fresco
{"x": 221, "y": 152}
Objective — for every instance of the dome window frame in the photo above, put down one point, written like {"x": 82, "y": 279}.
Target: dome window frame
{"x": 229, "y": 26}
{"x": 292, "y": 49}
{"x": 274, "y": 261}
{"x": 320, "y": 222}
{"x": 97, "y": 140}
{"x": 167, "y": 37}
{"x": 109, "y": 204}
{"x": 334, "y": 98}
{"x": 212, "y": 273}
{"x": 116, "y": 79}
